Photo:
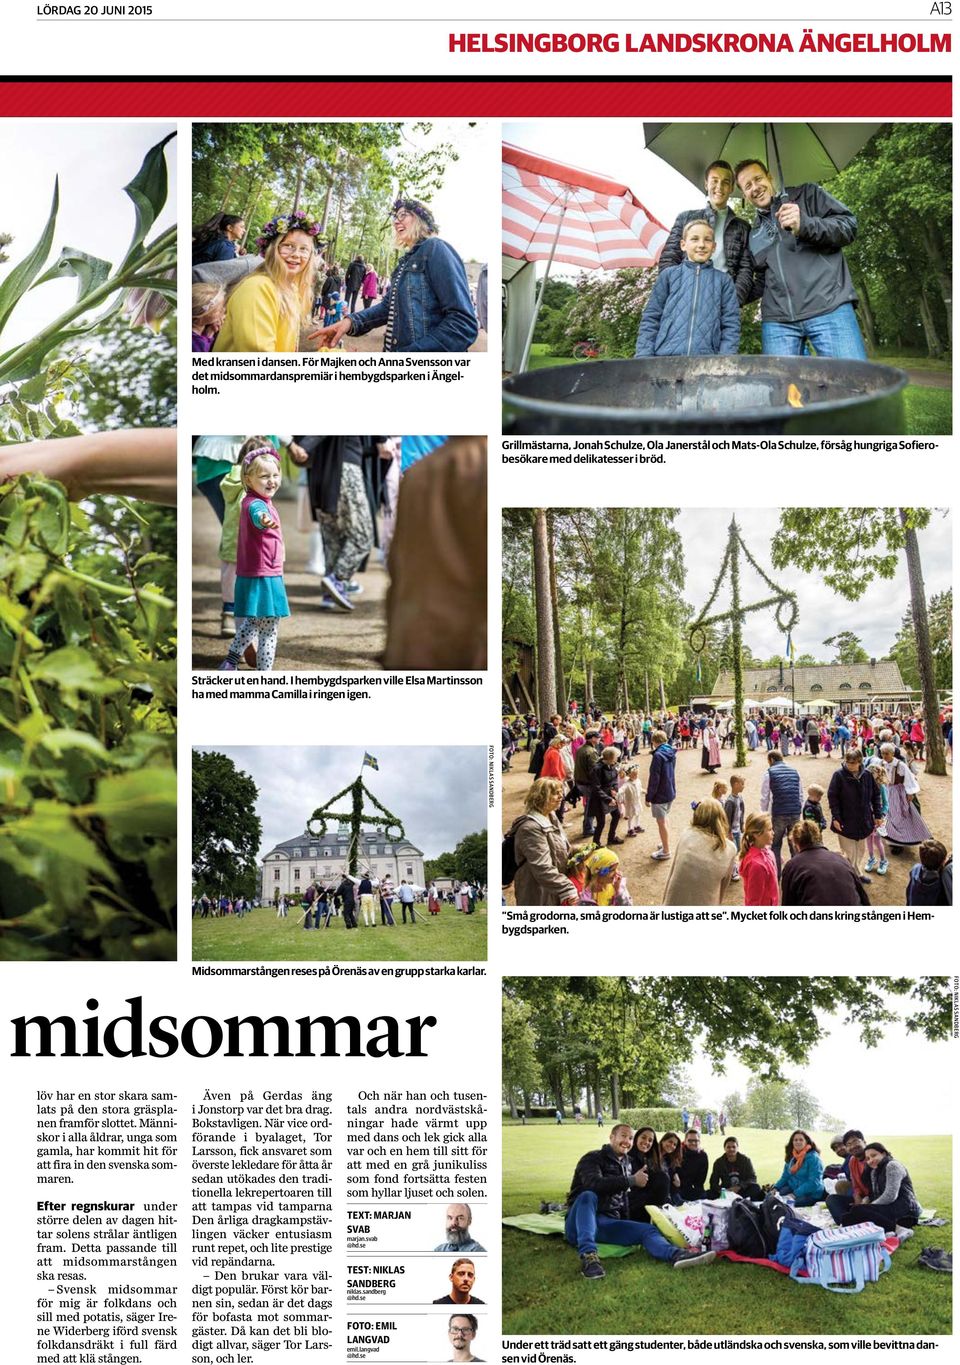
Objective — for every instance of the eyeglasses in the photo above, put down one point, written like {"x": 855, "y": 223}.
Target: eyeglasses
{"x": 460, "y": 1331}
{"x": 305, "y": 251}
{"x": 402, "y": 216}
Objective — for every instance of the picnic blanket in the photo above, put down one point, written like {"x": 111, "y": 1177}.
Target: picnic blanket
{"x": 553, "y": 1224}
{"x": 545, "y": 1224}
{"x": 890, "y": 1244}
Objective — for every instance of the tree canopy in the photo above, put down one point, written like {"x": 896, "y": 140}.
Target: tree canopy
{"x": 606, "y": 1035}
{"x": 226, "y": 826}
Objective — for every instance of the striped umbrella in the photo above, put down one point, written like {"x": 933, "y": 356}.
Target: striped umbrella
{"x": 552, "y": 211}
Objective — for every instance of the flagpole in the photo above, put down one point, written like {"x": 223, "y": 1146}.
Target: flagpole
{"x": 543, "y": 283}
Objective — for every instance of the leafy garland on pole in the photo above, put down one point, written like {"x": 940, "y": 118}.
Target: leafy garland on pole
{"x": 391, "y": 825}
{"x": 786, "y": 612}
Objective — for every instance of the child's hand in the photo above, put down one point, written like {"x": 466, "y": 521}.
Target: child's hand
{"x": 267, "y": 523}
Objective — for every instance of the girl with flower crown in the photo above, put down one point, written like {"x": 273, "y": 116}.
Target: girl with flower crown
{"x": 268, "y": 308}
{"x": 260, "y": 597}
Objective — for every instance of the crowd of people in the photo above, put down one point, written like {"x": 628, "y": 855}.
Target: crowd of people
{"x": 614, "y": 1188}
{"x": 415, "y": 499}
{"x": 355, "y": 900}
{"x": 268, "y": 300}
{"x": 870, "y": 802}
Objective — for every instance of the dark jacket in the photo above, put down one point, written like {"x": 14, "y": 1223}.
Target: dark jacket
{"x": 930, "y": 888}
{"x": 604, "y": 783}
{"x": 219, "y": 248}
{"x": 693, "y": 310}
{"x": 603, "y": 1173}
{"x": 433, "y": 310}
{"x": 693, "y": 1174}
{"x": 786, "y": 791}
{"x": 736, "y": 247}
{"x": 818, "y": 876}
{"x": 661, "y": 783}
{"x": 355, "y": 273}
{"x": 803, "y": 276}
{"x": 584, "y": 763}
{"x": 855, "y": 802}
{"x": 723, "y": 1171}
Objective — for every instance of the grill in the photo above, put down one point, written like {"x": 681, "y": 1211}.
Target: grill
{"x": 708, "y": 395}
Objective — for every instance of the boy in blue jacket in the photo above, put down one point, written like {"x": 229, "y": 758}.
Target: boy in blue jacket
{"x": 693, "y": 309}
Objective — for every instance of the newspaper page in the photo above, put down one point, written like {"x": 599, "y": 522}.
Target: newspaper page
{"x": 290, "y": 1065}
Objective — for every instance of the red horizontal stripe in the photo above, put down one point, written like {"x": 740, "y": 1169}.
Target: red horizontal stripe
{"x": 655, "y": 100}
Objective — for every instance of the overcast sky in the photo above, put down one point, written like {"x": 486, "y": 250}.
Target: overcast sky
{"x": 94, "y": 161}
{"x": 863, "y": 1087}
{"x": 440, "y": 794}
{"x": 875, "y": 618}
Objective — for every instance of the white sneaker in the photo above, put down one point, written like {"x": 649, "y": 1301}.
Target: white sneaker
{"x": 660, "y": 856}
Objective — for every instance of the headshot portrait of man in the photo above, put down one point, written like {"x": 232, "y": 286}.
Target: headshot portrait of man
{"x": 462, "y": 1276}
{"x": 459, "y": 1238}
{"x": 461, "y": 1330}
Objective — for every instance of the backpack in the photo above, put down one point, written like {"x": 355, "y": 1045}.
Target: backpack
{"x": 745, "y": 1230}
{"x": 850, "y": 1257}
{"x": 508, "y": 859}
{"x": 772, "y": 1213}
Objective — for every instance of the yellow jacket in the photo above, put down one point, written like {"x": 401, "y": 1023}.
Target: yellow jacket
{"x": 253, "y": 321}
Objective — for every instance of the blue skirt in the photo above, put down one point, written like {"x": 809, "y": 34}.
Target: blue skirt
{"x": 260, "y": 597}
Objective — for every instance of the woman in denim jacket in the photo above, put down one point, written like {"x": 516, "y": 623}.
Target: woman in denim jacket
{"x": 427, "y": 306}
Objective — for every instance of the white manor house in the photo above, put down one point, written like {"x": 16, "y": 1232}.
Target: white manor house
{"x": 290, "y": 867}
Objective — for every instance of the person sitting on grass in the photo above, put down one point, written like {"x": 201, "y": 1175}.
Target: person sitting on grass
{"x": 734, "y": 1171}
{"x": 693, "y": 1168}
{"x": 693, "y": 309}
{"x": 853, "y": 1184}
{"x": 802, "y": 1174}
{"x": 655, "y": 1189}
{"x": 598, "y": 1206}
{"x": 892, "y": 1204}
{"x": 671, "y": 1155}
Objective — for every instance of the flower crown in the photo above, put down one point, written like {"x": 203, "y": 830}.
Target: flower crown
{"x": 280, "y": 226}
{"x": 260, "y": 453}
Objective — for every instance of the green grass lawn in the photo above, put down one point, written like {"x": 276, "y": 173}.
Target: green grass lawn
{"x": 543, "y": 1292}
{"x": 929, "y": 412}
{"x": 261, "y": 937}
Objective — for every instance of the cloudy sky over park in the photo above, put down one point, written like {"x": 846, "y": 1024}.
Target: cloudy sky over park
{"x": 440, "y": 794}
{"x": 862, "y": 1087}
{"x": 94, "y": 161}
{"x": 875, "y": 618}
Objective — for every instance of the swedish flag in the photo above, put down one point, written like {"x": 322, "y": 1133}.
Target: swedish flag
{"x": 370, "y": 762}
{"x": 699, "y": 670}
{"x": 791, "y": 652}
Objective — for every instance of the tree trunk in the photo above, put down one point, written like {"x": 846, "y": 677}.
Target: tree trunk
{"x": 866, "y": 310}
{"x": 587, "y": 680}
{"x": 555, "y": 611}
{"x": 934, "y": 344}
{"x": 646, "y": 688}
{"x": 663, "y": 697}
{"x": 936, "y": 760}
{"x": 614, "y": 1095}
{"x": 227, "y": 192}
{"x": 940, "y": 260}
{"x": 546, "y": 668}
{"x": 325, "y": 215}
{"x": 298, "y": 190}
{"x": 511, "y": 1100}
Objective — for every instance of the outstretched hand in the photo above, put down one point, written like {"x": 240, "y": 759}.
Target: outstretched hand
{"x": 331, "y": 336}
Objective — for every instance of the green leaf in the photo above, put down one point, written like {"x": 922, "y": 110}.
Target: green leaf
{"x": 26, "y": 567}
{"x": 59, "y": 740}
{"x": 91, "y": 271}
{"x": 148, "y": 190}
{"x": 50, "y": 828}
{"x": 22, "y": 276}
{"x": 143, "y": 803}
{"x": 34, "y": 389}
